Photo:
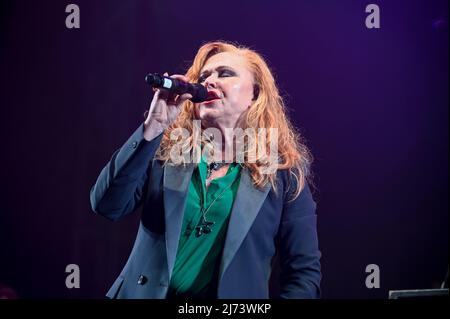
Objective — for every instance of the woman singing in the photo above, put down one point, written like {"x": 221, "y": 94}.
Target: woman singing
{"x": 223, "y": 185}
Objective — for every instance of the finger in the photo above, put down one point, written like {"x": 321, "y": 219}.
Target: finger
{"x": 170, "y": 96}
{"x": 157, "y": 93}
{"x": 182, "y": 98}
{"x": 180, "y": 77}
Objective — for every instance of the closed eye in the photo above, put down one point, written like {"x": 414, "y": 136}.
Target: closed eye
{"x": 226, "y": 73}
{"x": 222, "y": 73}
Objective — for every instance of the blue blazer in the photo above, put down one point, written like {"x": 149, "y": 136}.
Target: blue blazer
{"x": 262, "y": 224}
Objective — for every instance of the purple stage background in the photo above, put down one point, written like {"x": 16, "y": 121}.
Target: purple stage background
{"x": 371, "y": 103}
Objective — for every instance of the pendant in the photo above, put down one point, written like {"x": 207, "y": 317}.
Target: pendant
{"x": 204, "y": 227}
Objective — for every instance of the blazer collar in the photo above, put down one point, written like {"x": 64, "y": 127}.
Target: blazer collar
{"x": 175, "y": 183}
{"x": 247, "y": 204}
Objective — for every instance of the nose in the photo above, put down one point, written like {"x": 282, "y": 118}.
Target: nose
{"x": 210, "y": 82}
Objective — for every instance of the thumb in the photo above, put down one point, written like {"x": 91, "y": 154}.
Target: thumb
{"x": 182, "y": 98}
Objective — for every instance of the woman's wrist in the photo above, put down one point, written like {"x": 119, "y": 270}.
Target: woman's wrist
{"x": 152, "y": 129}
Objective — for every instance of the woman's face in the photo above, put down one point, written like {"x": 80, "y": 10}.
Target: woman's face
{"x": 230, "y": 85}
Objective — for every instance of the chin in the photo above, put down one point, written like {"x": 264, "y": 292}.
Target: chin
{"x": 207, "y": 112}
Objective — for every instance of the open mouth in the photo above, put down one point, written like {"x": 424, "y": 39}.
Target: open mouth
{"x": 212, "y": 96}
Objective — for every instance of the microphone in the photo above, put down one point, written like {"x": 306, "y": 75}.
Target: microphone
{"x": 199, "y": 92}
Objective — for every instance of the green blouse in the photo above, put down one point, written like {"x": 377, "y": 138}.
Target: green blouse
{"x": 198, "y": 257}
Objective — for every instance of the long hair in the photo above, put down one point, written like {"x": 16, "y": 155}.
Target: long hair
{"x": 267, "y": 111}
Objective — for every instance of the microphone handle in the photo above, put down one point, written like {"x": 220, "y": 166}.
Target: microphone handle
{"x": 198, "y": 91}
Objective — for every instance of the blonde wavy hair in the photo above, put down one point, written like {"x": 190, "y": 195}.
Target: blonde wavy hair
{"x": 267, "y": 111}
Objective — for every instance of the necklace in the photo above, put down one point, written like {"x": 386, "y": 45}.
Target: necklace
{"x": 204, "y": 226}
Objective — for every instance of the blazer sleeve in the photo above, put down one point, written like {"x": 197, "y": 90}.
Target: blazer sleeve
{"x": 120, "y": 186}
{"x": 298, "y": 248}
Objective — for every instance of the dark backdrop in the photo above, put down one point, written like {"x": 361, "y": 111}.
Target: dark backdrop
{"x": 372, "y": 105}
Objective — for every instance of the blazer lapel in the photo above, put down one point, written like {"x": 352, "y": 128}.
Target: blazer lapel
{"x": 176, "y": 182}
{"x": 247, "y": 204}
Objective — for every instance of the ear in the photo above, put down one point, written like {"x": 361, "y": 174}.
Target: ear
{"x": 255, "y": 92}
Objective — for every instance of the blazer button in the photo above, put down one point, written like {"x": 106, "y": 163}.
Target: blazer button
{"x": 141, "y": 280}
{"x": 134, "y": 145}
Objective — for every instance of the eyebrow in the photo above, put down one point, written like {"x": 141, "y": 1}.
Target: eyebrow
{"x": 218, "y": 69}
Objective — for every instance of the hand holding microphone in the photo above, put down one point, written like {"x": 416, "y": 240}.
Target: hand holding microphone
{"x": 178, "y": 86}
{"x": 170, "y": 93}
